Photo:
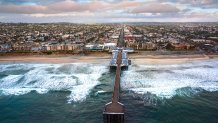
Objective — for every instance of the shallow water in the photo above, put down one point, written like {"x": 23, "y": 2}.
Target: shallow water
{"x": 77, "y": 93}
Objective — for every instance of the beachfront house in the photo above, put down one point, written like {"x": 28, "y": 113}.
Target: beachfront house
{"x": 62, "y": 47}
{"x": 179, "y": 46}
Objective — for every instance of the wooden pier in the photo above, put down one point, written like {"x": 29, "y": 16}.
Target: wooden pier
{"x": 114, "y": 110}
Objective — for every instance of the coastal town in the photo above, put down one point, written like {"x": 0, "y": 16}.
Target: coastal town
{"x": 109, "y": 61}
{"x": 69, "y": 38}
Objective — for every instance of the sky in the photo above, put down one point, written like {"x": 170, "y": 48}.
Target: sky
{"x": 108, "y": 11}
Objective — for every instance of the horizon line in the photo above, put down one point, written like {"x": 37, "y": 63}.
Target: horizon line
{"x": 112, "y": 22}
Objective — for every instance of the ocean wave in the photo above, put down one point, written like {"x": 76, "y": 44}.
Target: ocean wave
{"x": 77, "y": 78}
{"x": 166, "y": 81}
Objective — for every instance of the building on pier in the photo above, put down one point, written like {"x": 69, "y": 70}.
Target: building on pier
{"x": 125, "y": 60}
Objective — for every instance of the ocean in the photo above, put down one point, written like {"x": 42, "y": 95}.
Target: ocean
{"x": 77, "y": 92}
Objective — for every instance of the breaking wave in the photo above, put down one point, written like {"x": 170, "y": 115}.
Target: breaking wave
{"x": 79, "y": 79}
{"x": 166, "y": 81}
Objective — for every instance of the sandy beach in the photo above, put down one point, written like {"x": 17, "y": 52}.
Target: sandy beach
{"x": 105, "y": 59}
{"x": 54, "y": 59}
{"x": 169, "y": 59}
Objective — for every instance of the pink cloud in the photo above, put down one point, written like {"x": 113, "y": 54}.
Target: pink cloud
{"x": 127, "y": 4}
{"x": 23, "y": 9}
{"x": 71, "y": 6}
{"x": 156, "y": 8}
{"x": 66, "y": 6}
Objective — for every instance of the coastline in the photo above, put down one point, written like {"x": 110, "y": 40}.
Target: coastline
{"x": 105, "y": 59}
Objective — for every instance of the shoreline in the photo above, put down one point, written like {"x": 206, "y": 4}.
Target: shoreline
{"x": 105, "y": 59}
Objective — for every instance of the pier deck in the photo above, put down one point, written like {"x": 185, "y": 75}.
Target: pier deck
{"x": 114, "y": 110}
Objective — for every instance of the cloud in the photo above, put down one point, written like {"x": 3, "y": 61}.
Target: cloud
{"x": 66, "y": 6}
{"x": 69, "y": 14}
{"x": 22, "y": 9}
{"x": 21, "y": 2}
{"x": 71, "y": 6}
{"x": 59, "y": 7}
{"x": 203, "y": 15}
{"x": 196, "y": 3}
{"x": 107, "y": 10}
{"x": 127, "y": 4}
{"x": 156, "y": 8}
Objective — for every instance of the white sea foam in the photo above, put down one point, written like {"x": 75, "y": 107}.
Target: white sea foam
{"x": 165, "y": 80}
{"x": 79, "y": 92}
{"x": 10, "y": 81}
{"x": 21, "y": 91}
{"x": 77, "y": 78}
